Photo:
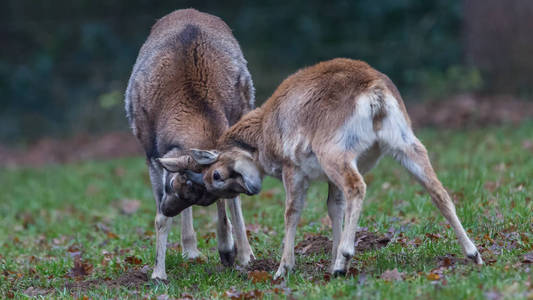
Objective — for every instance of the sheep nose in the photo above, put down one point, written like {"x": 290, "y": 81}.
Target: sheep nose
{"x": 252, "y": 188}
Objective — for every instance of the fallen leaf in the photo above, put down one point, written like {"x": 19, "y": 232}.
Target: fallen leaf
{"x": 268, "y": 194}
{"x": 111, "y": 235}
{"x": 199, "y": 260}
{"x": 26, "y": 218}
{"x": 259, "y": 276}
{"x": 74, "y": 251}
{"x": 73, "y": 248}
{"x": 392, "y": 275}
{"x": 133, "y": 260}
{"x": 80, "y": 268}
{"x": 209, "y": 236}
{"x": 185, "y": 296}
{"x": 433, "y": 236}
{"x": 352, "y": 272}
{"x": 129, "y": 206}
{"x": 237, "y": 295}
{"x": 433, "y": 276}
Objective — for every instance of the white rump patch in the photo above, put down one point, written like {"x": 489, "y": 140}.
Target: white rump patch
{"x": 357, "y": 134}
{"x": 397, "y": 137}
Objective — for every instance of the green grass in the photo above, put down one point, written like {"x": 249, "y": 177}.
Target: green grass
{"x": 44, "y": 211}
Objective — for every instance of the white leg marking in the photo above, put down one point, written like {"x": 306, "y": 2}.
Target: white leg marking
{"x": 162, "y": 226}
{"x": 354, "y": 193}
{"x": 409, "y": 151}
{"x": 188, "y": 235}
{"x": 295, "y": 189}
{"x": 244, "y": 251}
{"x": 336, "y": 207}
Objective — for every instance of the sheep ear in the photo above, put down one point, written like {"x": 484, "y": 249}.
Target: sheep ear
{"x": 178, "y": 164}
{"x": 204, "y": 157}
{"x": 171, "y": 164}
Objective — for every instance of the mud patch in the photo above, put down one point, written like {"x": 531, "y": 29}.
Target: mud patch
{"x": 128, "y": 279}
{"x": 265, "y": 264}
{"x": 315, "y": 268}
{"x": 319, "y": 244}
{"x": 365, "y": 241}
{"x": 450, "y": 260}
{"x": 313, "y": 245}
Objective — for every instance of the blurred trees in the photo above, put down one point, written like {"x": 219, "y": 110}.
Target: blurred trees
{"x": 499, "y": 41}
{"x": 64, "y": 64}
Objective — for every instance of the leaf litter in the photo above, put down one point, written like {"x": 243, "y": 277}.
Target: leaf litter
{"x": 131, "y": 278}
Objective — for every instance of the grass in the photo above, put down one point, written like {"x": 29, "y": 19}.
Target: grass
{"x": 49, "y": 214}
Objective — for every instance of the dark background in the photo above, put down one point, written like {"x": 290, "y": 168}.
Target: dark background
{"x": 64, "y": 64}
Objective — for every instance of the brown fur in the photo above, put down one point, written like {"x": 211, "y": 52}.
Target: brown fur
{"x": 331, "y": 90}
{"x": 189, "y": 84}
{"x": 330, "y": 121}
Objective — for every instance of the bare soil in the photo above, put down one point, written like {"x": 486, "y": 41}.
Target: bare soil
{"x": 314, "y": 244}
{"x": 132, "y": 278}
{"x": 319, "y": 244}
{"x": 265, "y": 264}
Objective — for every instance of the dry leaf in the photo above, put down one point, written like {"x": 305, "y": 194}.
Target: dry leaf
{"x": 446, "y": 262}
{"x": 433, "y": 276}
{"x": 209, "y": 236}
{"x": 80, "y": 268}
{"x": 433, "y": 236}
{"x": 269, "y": 194}
{"x": 259, "y": 276}
{"x": 111, "y": 235}
{"x": 133, "y": 260}
{"x": 392, "y": 275}
{"x": 237, "y": 295}
{"x": 184, "y": 296}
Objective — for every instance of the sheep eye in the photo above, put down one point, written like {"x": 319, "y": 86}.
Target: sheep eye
{"x": 216, "y": 175}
